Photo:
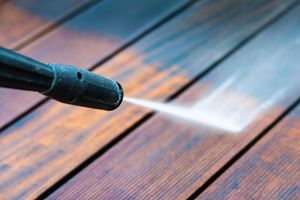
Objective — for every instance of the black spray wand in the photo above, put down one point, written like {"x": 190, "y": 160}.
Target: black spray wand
{"x": 64, "y": 83}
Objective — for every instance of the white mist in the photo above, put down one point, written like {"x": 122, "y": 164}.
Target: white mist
{"x": 192, "y": 114}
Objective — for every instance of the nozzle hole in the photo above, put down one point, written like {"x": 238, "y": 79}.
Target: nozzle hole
{"x": 79, "y": 75}
{"x": 71, "y": 99}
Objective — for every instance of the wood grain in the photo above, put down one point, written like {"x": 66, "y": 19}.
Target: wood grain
{"x": 41, "y": 148}
{"x": 84, "y": 41}
{"x": 20, "y": 20}
{"x": 270, "y": 170}
{"x": 168, "y": 159}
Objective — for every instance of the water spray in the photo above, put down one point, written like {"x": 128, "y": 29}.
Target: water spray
{"x": 76, "y": 86}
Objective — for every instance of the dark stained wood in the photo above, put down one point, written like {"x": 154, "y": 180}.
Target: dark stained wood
{"x": 270, "y": 170}
{"x": 165, "y": 159}
{"x": 41, "y": 148}
{"x": 84, "y": 41}
{"x": 3, "y": 1}
{"x": 20, "y": 20}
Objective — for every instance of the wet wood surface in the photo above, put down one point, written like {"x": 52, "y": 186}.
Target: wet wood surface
{"x": 225, "y": 44}
{"x": 81, "y": 41}
{"x": 270, "y": 170}
{"x": 170, "y": 160}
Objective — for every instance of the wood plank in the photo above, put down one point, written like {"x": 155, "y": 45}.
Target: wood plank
{"x": 85, "y": 41}
{"x": 166, "y": 159}
{"x": 270, "y": 170}
{"x": 3, "y": 1}
{"x": 51, "y": 141}
{"x": 20, "y": 20}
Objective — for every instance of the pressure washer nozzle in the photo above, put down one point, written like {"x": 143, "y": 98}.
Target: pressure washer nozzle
{"x": 67, "y": 84}
{"x": 73, "y": 85}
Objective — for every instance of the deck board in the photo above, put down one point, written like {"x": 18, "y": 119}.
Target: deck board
{"x": 270, "y": 170}
{"x": 21, "y": 20}
{"x": 163, "y": 159}
{"x": 51, "y": 141}
{"x": 85, "y": 41}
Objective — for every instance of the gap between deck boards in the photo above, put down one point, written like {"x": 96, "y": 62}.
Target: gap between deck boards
{"x": 57, "y": 23}
{"x": 244, "y": 150}
{"x": 49, "y": 27}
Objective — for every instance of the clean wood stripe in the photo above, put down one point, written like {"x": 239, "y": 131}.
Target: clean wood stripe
{"x": 270, "y": 170}
{"x": 163, "y": 159}
{"x": 85, "y": 41}
{"x": 244, "y": 150}
{"x": 57, "y": 138}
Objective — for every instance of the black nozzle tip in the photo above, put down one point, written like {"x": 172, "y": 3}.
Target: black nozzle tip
{"x": 120, "y": 95}
{"x": 76, "y": 86}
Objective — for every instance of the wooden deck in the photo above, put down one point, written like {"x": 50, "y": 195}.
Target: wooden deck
{"x": 237, "y": 59}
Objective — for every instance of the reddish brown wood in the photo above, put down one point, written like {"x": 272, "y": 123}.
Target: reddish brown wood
{"x": 165, "y": 159}
{"x": 20, "y": 20}
{"x": 270, "y": 170}
{"x": 51, "y": 141}
{"x": 84, "y": 41}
